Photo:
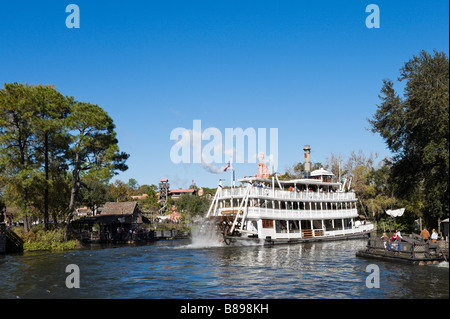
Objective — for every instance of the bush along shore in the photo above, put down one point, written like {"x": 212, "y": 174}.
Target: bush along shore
{"x": 38, "y": 239}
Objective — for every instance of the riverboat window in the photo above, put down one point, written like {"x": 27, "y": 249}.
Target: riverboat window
{"x": 327, "y": 179}
{"x": 280, "y": 226}
{"x": 328, "y": 224}
{"x": 294, "y": 226}
{"x": 267, "y": 223}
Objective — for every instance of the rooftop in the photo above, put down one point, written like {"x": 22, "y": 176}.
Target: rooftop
{"x": 119, "y": 208}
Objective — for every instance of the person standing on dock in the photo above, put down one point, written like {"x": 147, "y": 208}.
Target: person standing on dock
{"x": 385, "y": 239}
{"x": 425, "y": 234}
{"x": 395, "y": 240}
{"x": 434, "y": 236}
{"x": 397, "y": 235}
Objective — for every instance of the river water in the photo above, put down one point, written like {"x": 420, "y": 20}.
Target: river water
{"x": 184, "y": 269}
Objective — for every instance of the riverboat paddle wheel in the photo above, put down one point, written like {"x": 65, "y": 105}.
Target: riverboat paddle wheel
{"x": 230, "y": 223}
{"x": 222, "y": 227}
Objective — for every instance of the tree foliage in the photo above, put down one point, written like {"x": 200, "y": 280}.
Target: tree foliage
{"x": 93, "y": 150}
{"x": 49, "y": 144}
{"x": 192, "y": 205}
{"x": 415, "y": 127}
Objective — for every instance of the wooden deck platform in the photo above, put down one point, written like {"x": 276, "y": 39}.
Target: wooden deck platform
{"x": 408, "y": 250}
{"x": 126, "y": 237}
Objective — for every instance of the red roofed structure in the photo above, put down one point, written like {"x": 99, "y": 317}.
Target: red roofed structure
{"x": 176, "y": 193}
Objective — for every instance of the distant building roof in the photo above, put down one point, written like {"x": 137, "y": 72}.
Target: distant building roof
{"x": 119, "y": 208}
{"x": 175, "y": 217}
{"x": 139, "y": 196}
{"x": 191, "y": 190}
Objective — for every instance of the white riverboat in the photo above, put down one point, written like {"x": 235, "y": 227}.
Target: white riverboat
{"x": 312, "y": 208}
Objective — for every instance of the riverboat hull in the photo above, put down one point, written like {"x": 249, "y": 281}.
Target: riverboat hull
{"x": 228, "y": 239}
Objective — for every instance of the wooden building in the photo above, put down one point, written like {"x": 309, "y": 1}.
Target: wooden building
{"x": 127, "y": 213}
{"x": 115, "y": 220}
{"x": 119, "y": 214}
{"x": 177, "y": 193}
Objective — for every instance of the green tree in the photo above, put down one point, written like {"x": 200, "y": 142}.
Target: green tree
{"x": 416, "y": 129}
{"x": 133, "y": 185}
{"x": 51, "y": 136}
{"x": 150, "y": 203}
{"x": 94, "y": 148}
{"x": 147, "y": 189}
{"x": 94, "y": 193}
{"x": 192, "y": 205}
{"x": 18, "y": 158}
{"x": 43, "y": 135}
{"x": 119, "y": 191}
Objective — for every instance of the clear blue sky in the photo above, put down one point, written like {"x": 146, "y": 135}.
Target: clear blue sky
{"x": 311, "y": 69}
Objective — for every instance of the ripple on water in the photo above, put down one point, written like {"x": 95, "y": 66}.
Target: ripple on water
{"x": 183, "y": 270}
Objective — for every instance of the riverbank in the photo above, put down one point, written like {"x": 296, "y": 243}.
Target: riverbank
{"x": 38, "y": 239}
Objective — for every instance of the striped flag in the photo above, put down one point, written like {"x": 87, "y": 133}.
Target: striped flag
{"x": 226, "y": 167}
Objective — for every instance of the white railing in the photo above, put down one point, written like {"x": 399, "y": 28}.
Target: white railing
{"x": 270, "y": 213}
{"x": 288, "y": 195}
{"x": 355, "y": 230}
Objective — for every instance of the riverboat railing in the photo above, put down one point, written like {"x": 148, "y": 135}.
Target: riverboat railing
{"x": 262, "y": 212}
{"x": 288, "y": 195}
{"x": 363, "y": 228}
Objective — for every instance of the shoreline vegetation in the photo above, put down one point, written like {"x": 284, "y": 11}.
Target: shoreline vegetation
{"x": 58, "y": 155}
{"x": 40, "y": 239}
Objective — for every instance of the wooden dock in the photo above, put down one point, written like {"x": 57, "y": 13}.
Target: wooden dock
{"x": 408, "y": 250}
{"x": 127, "y": 237}
{"x": 9, "y": 241}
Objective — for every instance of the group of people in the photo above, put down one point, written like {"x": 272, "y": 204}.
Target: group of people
{"x": 394, "y": 241}
{"x": 425, "y": 234}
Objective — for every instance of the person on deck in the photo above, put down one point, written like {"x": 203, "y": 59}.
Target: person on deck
{"x": 385, "y": 239}
{"x": 397, "y": 237}
{"x": 425, "y": 234}
{"x": 434, "y": 236}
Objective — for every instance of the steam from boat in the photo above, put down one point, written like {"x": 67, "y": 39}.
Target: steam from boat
{"x": 205, "y": 237}
{"x": 211, "y": 168}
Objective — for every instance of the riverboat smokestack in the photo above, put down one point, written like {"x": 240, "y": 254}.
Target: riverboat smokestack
{"x": 307, "y": 150}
